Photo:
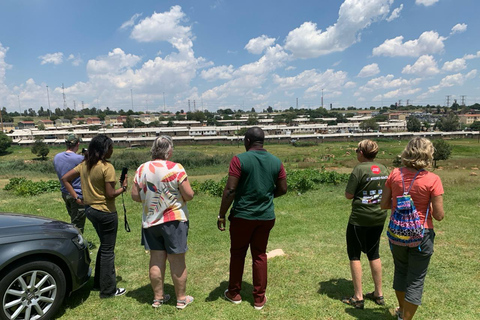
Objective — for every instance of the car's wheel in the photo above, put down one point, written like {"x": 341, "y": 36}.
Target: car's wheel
{"x": 32, "y": 291}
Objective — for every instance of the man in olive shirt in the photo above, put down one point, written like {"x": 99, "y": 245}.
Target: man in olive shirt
{"x": 255, "y": 177}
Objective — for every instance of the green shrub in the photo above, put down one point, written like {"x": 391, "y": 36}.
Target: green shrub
{"x": 304, "y": 180}
{"x": 24, "y": 187}
{"x": 8, "y": 167}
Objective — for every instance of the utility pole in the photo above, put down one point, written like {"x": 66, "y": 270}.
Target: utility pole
{"x": 64, "y": 99}
{"x": 48, "y": 97}
{"x": 163, "y": 102}
{"x": 131, "y": 96}
{"x": 322, "y": 97}
{"x": 18, "y": 96}
{"x": 1, "y": 119}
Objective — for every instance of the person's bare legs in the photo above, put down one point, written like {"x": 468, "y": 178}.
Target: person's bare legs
{"x": 376, "y": 268}
{"x": 178, "y": 269}
{"x": 356, "y": 269}
{"x": 408, "y": 309}
{"x": 158, "y": 260}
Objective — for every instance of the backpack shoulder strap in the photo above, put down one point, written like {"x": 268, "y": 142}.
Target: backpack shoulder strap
{"x": 411, "y": 184}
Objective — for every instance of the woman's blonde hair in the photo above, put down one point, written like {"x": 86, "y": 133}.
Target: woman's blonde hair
{"x": 161, "y": 147}
{"x": 418, "y": 153}
{"x": 369, "y": 148}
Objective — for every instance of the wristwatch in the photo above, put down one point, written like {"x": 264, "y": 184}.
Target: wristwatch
{"x": 124, "y": 188}
{"x": 221, "y": 218}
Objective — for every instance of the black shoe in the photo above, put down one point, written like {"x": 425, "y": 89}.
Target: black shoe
{"x": 357, "y": 304}
{"x": 120, "y": 292}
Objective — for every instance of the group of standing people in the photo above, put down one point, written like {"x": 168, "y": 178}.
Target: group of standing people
{"x": 255, "y": 178}
{"x": 373, "y": 190}
{"x": 163, "y": 188}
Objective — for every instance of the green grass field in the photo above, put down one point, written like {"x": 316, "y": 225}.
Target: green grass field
{"x": 306, "y": 283}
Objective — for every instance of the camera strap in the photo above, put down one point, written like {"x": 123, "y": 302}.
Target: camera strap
{"x": 127, "y": 227}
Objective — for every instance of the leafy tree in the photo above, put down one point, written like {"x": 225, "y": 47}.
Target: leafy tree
{"x": 426, "y": 125}
{"x": 448, "y": 123}
{"x": 252, "y": 120}
{"x": 369, "y": 124}
{"x": 475, "y": 126}
{"x": 129, "y": 123}
{"x": 381, "y": 118}
{"x": 41, "y": 126}
{"x": 413, "y": 124}
{"x": 5, "y": 116}
{"x": 5, "y": 142}
{"x": 442, "y": 151}
{"x": 269, "y": 109}
{"x": 40, "y": 148}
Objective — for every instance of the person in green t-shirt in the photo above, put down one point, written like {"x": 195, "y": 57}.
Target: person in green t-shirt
{"x": 255, "y": 177}
{"x": 366, "y": 221}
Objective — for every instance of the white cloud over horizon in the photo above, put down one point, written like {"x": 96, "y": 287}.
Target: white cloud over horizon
{"x": 429, "y": 42}
{"x": 369, "y": 71}
{"x": 53, "y": 58}
{"x": 426, "y": 3}
{"x": 258, "y": 45}
{"x": 307, "y": 41}
{"x": 424, "y": 66}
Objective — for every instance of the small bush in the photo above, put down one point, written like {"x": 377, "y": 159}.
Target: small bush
{"x": 304, "y": 180}
{"x": 24, "y": 187}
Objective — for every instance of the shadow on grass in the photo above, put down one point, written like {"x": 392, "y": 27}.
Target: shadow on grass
{"x": 218, "y": 292}
{"x": 144, "y": 295}
{"x": 336, "y": 289}
{"x": 76, "y": 299}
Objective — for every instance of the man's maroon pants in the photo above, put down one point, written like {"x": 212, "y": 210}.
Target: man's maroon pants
{"x": 245, "y": 233}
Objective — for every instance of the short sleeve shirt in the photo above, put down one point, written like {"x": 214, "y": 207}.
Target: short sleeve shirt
{"x": 64, "y": 162}
{"x": 258, "y": 172}
{"x": 159, "y": 182}
{"x": 366, "y": 183}
{"x": 426, "y": 185}
{"x": 93, "y": 185}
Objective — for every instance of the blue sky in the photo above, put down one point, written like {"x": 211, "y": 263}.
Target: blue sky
{"x": 237, "y": 54}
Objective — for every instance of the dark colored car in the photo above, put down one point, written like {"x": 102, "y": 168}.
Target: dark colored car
{"x": 41, "y": 261}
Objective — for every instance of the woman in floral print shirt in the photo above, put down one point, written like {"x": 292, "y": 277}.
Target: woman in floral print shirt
{"x": 163, "y": 189}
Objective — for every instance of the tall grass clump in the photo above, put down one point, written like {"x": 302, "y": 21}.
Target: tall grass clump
{"x": 198, "y": 159}
{"x": 7, "y": 167}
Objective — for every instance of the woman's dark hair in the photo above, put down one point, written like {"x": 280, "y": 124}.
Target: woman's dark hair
{"x": 97, "y": 150}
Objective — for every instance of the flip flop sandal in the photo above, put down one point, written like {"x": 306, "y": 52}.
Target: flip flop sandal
{"x": 159, "y": 302}
{"x": 182, "y": 304}
{"x": 357, "y": 304}
{"x": 378, "y": 300}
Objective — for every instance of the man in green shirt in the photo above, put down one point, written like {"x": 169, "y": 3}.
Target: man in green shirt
{"x": 255, "y": 177}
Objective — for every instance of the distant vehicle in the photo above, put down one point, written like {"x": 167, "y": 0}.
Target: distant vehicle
{"x": 41, "y": 261}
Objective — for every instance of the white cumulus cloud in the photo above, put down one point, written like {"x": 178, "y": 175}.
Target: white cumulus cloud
{"x": 369, "y": 71}
{"x": 424, "y": 66}
{"x": 3, "y": 64}
{"x": 426, "y": 3}
{"x": 258, "y": 45}
{"x": 165, "y": 26}
{"x": 307, "y": 41}
{"x": 429, "y": 42}
{"x": 131, "y": 22}
{"x": 459, "y": 28}
{"x": 455, "y": 65}
{"x": 76, "y": 60}
{"x": 55, "y": 58}
{"x": 395, "y": 13}
{"x": 216, "y": 73}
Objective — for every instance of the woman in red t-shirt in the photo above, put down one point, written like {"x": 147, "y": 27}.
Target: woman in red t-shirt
{"x": 411, "y": 264}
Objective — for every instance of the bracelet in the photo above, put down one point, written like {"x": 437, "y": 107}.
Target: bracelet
{"x": 77, "y": 198}
{"x": 221, "y": 218}
{"x": 124, "y": 188}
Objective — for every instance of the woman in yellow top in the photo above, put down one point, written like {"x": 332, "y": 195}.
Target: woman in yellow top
{"x": 97, "y": 177}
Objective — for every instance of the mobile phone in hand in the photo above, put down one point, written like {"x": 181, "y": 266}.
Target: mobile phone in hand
{"x": 124, "y": 172}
